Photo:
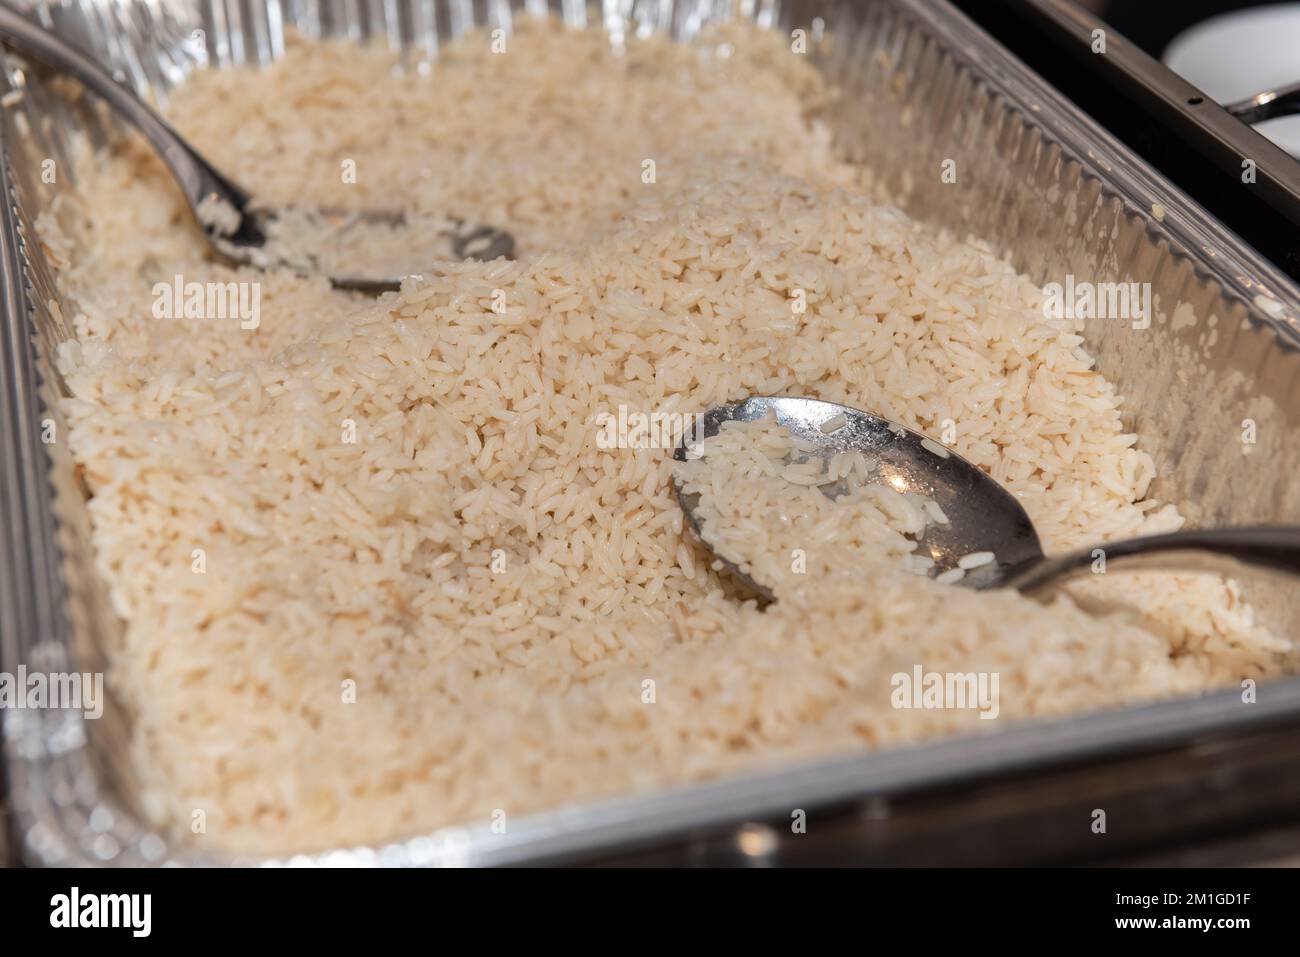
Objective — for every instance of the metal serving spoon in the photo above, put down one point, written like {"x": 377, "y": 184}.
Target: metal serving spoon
{"x": 982, "y": 515}
{"x": 1268, "y": 105}
{"x": 236, "y": 229}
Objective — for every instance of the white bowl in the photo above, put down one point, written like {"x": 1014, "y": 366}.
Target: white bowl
{"x": 1240, "y": 54}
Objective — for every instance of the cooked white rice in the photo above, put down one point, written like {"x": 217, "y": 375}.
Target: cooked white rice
{"x": 375, "y": 571}
{"x": 835, "y": 423}
{"x": 779, "y": 528}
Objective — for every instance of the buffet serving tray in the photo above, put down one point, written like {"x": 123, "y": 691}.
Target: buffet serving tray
{"x": 917, "y": 85}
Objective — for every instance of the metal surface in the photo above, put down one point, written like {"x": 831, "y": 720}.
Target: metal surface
{"x": 203, "y": 186}
{"x": 918, "y": 84}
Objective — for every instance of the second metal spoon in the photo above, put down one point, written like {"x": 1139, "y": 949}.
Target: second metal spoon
{"x": 237, "y": 229}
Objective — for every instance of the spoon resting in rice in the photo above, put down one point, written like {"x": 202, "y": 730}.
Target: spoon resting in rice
{"x": 242, "y": 231}
{"x": 976, "y": 534}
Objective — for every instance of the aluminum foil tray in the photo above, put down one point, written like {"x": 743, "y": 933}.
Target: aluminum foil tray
{"x": 918, "y": 84}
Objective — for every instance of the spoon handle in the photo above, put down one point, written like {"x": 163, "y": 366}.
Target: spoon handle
{"x": 1221, "y": 550}
{"x": 1268, "y": 105}
{"x": 197, "y": 179}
